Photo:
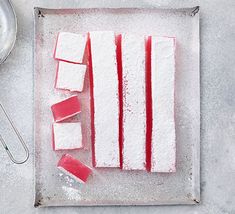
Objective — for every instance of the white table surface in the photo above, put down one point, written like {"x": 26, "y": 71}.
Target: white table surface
{"x": 217, "y": 110}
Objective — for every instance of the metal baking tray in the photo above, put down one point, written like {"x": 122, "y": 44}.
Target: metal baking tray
{"x": 113, "y": 186}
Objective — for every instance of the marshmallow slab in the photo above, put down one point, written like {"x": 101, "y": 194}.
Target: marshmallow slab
{"x": 163, "y": 124}
{"x": 66, "y": 108}
{"x": 67, "y": 136}
{"x": 105, "y": 99}
{"x": 70, "y": 47}
{"x": 74, "y": 168}
{"x": 134, "y": 102}
{"x": 70, "y": 76}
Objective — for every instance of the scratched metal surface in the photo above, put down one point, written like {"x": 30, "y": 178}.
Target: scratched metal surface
{"x": 217, "y": 78}
{"x": 113, "y": 186}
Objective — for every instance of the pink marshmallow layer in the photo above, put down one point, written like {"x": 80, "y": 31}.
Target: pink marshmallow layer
{"x": 66, "y": 108}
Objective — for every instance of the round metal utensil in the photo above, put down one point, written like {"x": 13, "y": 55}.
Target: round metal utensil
{"x": 8, "y": 29}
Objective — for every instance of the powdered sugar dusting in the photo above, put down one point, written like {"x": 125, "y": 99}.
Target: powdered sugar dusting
{"x": 134, "y": 101}
{"x": 70, "y": 47}
{"x": 70, "y": 76}
{"x": 67, "y": 135}
{"x": 106, "y": 102}
{"x": 163, "y": 78}
{"x": 71, "y": 193}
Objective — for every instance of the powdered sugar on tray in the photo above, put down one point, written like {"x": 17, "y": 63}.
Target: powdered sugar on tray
{"x": 71, "y": 193}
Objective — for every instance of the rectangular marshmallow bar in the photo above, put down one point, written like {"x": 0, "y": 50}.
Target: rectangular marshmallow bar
{"x": 106, "y": 102}
{"x": 66, "y": 108}
{"x": 163, "y": 126}
{"x": 67, "y": 136}
{"x": 70, "y": 47}
{"x": 134, "y": 102}
{"x": 70, "y": 76}
{"x": 74, "y": 168}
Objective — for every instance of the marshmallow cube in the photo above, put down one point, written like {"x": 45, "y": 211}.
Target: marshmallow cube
{"x": 66, "y": 108}
{"x": 67, "y": 136}
{"x": 74, "y": 168}
{"x": 70, "y": 47}
{"x": 70, "y": 76}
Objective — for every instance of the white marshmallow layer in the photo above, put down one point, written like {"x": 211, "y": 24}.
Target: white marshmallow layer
{"x": 70, "y": 76}
{"x": 67, "y": 136}
{"x": 134, "y": 102}
{"x": 163, "y": 130}
{"x": 70, "y": 47}
{"x": 106, "y": 102}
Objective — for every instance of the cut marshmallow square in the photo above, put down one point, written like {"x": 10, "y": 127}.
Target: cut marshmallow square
{"x": 74, "y": 168}
{"x": 163, "y": 123}
{"x": 67, "y": 136}
{"x": 66, "y": 108}
{"x": 70, "y": 76}
{"x": 70, "y": 47}
{"x": 134, "y": 102}
{"x": 105, "y": 98}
